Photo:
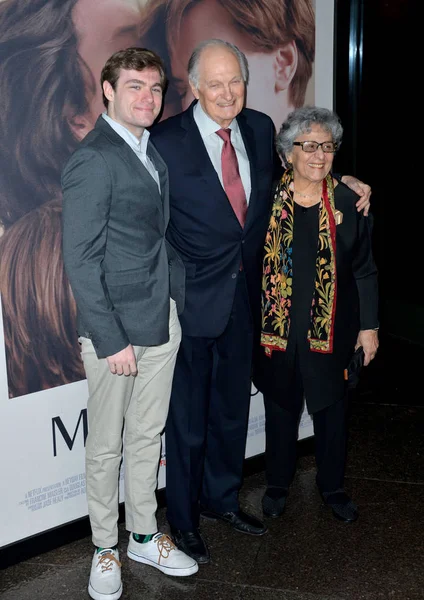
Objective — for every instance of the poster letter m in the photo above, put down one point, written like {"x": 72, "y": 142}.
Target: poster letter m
{"x": 58, "y": 423}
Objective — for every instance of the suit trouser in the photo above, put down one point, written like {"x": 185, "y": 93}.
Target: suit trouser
{"x": 127, "y": 413}
{"x": 207, "y": 422}
{"x": 281, "y": 429}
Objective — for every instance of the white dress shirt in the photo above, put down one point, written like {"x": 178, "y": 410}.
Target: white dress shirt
{"x": 138, "y": 146}
{"x": 214, "y": 144}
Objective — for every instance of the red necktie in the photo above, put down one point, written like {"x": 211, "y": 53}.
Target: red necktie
{"x": 231, "y": 179}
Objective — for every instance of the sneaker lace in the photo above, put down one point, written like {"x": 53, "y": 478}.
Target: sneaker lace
{"x": 165, "y": 546}
{"x": 106, "y": 562}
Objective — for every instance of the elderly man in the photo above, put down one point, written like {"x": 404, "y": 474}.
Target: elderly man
{"x": 221, "y": 164}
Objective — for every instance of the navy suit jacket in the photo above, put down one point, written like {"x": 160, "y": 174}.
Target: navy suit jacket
{"x": 203, "y": 227}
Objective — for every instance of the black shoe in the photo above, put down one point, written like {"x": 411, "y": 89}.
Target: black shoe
{"x": 274, "y": 501}
{"x": 192, "y": 544}
{"x": 240, "y": 521}
{"x": 341, "y": 505}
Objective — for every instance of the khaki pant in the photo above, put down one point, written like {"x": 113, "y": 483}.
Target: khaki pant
{"x": 129, "y": 414}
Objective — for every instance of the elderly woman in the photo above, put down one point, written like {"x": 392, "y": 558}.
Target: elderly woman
{"x": 319, "y": 302}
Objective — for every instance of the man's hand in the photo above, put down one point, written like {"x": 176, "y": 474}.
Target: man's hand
{"x": 360, "y": 188}
{"x": 123, "y": 362}
{"x": 368, "y": 339}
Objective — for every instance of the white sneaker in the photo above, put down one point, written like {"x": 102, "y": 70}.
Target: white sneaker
{"x": 162, "y": 554}
{"x": 105, "y": 577}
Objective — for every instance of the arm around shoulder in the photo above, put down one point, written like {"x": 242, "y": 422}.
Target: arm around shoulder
{"x": 362, "y": 189}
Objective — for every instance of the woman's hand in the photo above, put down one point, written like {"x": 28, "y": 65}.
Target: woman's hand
{"x": 368, "y": 339}
{"x": 362, "y": 189}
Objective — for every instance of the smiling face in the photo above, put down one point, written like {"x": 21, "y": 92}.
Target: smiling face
{"x": 221, "y": 89}
{"x": 136, "y": 100}
{"x": 313, "y": 167}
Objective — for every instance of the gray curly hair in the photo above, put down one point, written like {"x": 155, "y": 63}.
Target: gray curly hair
{"x": 301, "y": 120}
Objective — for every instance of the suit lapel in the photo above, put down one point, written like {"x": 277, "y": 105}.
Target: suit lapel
{"x": 135, "y": 164}
{"x": 200, "y": 165}
{"x": 249, "y": 143}
{"x": 162, "y": 170}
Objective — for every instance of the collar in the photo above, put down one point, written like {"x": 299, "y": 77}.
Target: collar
{"x": 136, "y": 144}
{"x": 208, "y": 126}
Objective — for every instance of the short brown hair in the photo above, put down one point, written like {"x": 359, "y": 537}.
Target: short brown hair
{"x": 136, "y": 59}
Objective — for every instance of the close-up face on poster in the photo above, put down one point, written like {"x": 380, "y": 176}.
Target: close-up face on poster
{"x": 51, "y": 56}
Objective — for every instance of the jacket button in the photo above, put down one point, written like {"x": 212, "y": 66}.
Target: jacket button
{"x": 234, "y": 275}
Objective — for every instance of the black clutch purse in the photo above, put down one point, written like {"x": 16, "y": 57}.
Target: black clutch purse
{"x": 354, "y": 368}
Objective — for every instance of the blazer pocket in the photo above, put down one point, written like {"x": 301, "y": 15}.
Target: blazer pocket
{"x": 126, "y": 277}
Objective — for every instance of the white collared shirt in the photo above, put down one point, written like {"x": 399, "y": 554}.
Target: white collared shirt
{"x": 214, "y": 144}
{"x": 139, "y": 147}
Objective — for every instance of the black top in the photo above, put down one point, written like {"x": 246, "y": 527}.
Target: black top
{"x": 305, "y": 242}
{"x": 356, "y": 307}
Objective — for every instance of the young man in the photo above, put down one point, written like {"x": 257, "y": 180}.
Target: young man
{"x": 128, "y": 284}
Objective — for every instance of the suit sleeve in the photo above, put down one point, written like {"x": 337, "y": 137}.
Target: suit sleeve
{"x": 278, "y": 168}
{"x": 365, "y": 273}
{"x": 87, "y": 193}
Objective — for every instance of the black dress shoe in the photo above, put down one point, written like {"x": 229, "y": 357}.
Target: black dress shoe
{"x": 341, "y": 505}
{"x": 274, "y": 501}
{"x": 240, "y": 521}
{"x": 192, "y": 544}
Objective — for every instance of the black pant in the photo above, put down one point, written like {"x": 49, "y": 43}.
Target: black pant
{"x": 281, "y": 429}
{"x": 206, "y": 429}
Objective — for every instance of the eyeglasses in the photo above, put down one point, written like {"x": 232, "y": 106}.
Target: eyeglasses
{"x": 313, "y": 146}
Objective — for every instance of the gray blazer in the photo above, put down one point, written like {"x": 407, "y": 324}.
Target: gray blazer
{"x": 121, "y": 269}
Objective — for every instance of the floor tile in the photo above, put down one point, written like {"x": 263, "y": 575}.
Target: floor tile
{"x": 308, "y": 551}
{"x": 306, "y": 554}
{"x": 386, "y": 442}
{"x": 252, "y": 593}
{"x": 39, "y": 582}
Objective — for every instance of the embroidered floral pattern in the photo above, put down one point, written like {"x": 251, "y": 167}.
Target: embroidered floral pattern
{"x": 277, "y": 278}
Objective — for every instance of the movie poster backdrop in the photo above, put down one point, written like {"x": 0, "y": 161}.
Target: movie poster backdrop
{"x": 51, "y": 55}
